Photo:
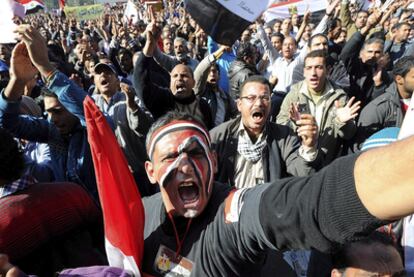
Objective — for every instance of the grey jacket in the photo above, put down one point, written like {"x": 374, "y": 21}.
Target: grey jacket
{"x": 280, "y": 157}
{"x": 384, "y": 111}
{"x": 331, "y": 131}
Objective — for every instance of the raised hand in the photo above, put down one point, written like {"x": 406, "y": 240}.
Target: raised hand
{"x": 36, "y": 47}
{"x": 21, "y": 68}
{"x": 307, "y": 130}
{"x": 129, "y": 95}
{"x": 331, "y": 7}
{"x": 349, "y": 111}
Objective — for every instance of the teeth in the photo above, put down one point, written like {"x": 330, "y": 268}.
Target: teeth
{"x": 186, "y": 185}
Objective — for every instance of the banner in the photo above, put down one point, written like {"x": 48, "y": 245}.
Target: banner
{"x": 85, "y": 12}
{"x": 225, "y": 20}
{"x": 7, "y": 27}
{"x": 131, "y": 13}
{"x": 286, "y": 8}
{"x": 367, "y": 4}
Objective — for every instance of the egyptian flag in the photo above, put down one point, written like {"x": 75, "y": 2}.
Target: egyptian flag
{"x": 284, "y": 9}
{"x": 120, "y": 199}
{"x": 225, "y": 20}
{"x": 32, "y": 6}
{"x": 61, "y": 4}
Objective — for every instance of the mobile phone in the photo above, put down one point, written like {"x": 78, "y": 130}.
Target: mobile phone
{"x": 303, "y": 108}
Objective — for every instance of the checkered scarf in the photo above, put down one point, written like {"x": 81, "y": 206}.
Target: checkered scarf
{"x": 16, "y": 186}
{"x": 249, "y": 150}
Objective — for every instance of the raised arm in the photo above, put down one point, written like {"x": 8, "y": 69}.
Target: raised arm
{"x": 273, "y": 53}
{"x": 157, "y": 100}
{"x": 344, "y": 14}
{"x": 69, "y": 94}
{"x": 202, "y": 70}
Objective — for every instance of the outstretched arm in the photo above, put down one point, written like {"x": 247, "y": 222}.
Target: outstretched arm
{"x": 70, "y": 95}
{"x": 387, "y": 193}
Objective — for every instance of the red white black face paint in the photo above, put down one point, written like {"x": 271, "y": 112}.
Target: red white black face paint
{"x": 179, "y": 125}
{"x": 184, "y": 171}
{"x": 183, "y": 148}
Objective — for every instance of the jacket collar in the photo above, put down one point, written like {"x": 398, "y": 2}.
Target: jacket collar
{"x": 188, "y": 100}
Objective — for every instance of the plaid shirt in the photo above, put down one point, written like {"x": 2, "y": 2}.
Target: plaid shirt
{"x": 16, "y": 186}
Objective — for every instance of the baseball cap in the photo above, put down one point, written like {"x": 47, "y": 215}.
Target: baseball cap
{"x": 105, "y": 66}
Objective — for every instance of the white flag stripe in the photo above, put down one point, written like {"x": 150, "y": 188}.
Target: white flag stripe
{"x": 117, "y": 258}
{"x": 283, "y": 11}
{"x": 248, "y": 10}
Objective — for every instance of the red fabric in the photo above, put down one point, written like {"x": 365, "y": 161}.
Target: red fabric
{"x": 121, "y": 202}
{"x": 61, "y": 4}
{"x": 404, "y": 107}
{"x": 35, "y": 215}
{"x": 28, "y": 1}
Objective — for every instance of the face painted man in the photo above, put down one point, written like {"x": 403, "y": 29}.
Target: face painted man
{"x": 183, "y": 165}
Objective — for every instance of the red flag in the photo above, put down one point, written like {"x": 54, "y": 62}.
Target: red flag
{"x": 122, "y": 207}
{"x": 61, "y": 4}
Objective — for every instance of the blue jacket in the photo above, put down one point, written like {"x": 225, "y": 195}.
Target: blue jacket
{"x": 71, "y": 156}
{"x": 223, "y": 62}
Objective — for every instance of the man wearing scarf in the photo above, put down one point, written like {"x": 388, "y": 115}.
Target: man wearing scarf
{"x": 251, "y": 150}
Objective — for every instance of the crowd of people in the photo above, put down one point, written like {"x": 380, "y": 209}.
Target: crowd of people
{"x": 250, "y": 158}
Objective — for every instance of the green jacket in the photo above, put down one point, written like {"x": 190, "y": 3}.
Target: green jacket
{"x": 331, "y": 131}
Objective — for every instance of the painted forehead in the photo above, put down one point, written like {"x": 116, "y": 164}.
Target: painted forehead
{"x": 187, "y": 128}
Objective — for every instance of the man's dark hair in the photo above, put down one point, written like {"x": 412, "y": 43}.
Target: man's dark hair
{"x": 168, "y": 118}
{"x": 347, "y": 256}
{"x": 216, "y": 66}
{"x": 254, "y": 79}
{"x": 277, "y": 21}
{"x": 316, "y": 54}
{"x": 124, "y": 51}
{"x": 399, "y": 25}
{"x": 11, "y": 158}
{"x": 279, "y": 35}
{"x": 245, "y": 49}
{"x": 403, "y": 66}
{"x": 333, "y": 23}
{"x": 363, "y": 11}
{"x": 316, "y": 36}
{"x": 372, "y": 41}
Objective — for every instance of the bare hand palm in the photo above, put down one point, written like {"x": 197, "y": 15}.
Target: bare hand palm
{"x": 349, "y": 111}
{"x": 21, "y": 65}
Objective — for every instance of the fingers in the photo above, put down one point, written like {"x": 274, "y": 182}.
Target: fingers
{"x": 294, "y": 112}
{"x": 349, "y": 104}
{"x": 151, "y": 13}
{"x": 353, "y": 116}
{"x": 355, "y": 109}
{"x": 25, "y": 32}
{"x": 19, "y": 50}
{"x": 307, "y": 131}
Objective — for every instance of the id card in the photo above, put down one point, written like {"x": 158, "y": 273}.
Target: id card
{"x": 169, "y": 265}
